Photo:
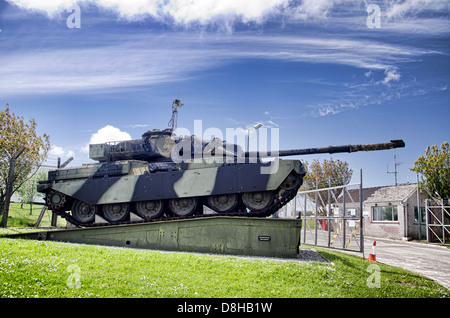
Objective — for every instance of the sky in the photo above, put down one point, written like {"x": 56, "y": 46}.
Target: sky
{"x": 319, "y": 72}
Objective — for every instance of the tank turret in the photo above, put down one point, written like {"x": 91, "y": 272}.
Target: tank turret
{"x": 165, "y": 146}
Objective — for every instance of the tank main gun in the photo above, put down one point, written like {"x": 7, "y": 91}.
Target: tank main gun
{"x": 159, "y": 146}
{"x": 331, "y": 149}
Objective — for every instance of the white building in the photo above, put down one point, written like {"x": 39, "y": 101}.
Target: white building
{"x": 391, "y": 212}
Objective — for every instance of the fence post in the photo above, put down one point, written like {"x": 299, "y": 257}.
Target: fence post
{"x": 329, "y": 211}
{"x": 344, "y": 222}
{"x": 427, "y": 204}
{"x": 315, "y": 200}
{"x": 304, "y": 218}
{"x": 419, "y": 213}
{"x": 361, "y": 225}
{"x": 443, "y": 221}
{"x": 41, "y": 215}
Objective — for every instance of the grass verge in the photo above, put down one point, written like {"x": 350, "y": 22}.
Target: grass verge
{"x": 22, "y": 215}
{"x": 41, "y": 269}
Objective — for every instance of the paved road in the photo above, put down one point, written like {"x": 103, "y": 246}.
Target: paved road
{"x": 425, "y": 259}
{"x": 430, "y": 261}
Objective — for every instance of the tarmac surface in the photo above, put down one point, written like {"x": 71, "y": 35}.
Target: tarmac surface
{"x": 429, "y": 260}
{"x": 421, "y": 258}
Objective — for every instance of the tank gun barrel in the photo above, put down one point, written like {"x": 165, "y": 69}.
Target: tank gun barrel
{"x": 331, "y": 149}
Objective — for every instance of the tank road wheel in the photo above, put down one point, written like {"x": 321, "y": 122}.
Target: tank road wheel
{"x": 183, "y": 206}
{"x": 116, "y": 212}
{"x": 291, "y": 181}
{"x": 223, "y": 202}
{"x": 257, "y": 201}
{"x": 83, "y": 212}
{"x": 151, "y": 209}
{"x": 55, "y": 200}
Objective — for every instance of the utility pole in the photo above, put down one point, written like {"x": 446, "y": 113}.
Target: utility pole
{"x": 9, "y": 187}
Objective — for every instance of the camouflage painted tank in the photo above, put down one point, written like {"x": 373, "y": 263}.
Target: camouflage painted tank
{"x": 164, "y": 175}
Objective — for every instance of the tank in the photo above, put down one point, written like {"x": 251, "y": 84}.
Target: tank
{"x": 163, "y": 175}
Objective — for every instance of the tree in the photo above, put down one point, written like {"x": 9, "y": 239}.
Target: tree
{"x": 330, "y": 173}
{"x": 21, "y": 149}
{"x": 28, "y": 191}
{"x": 434, "y": 170}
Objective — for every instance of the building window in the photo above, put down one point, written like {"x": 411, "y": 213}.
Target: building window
{"x": 384, "y": 214}
{"x": 416, "y": 215}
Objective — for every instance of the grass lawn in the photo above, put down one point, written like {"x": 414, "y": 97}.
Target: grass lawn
{"x": 40, "y": 269}
{"x": 20, "y": 215}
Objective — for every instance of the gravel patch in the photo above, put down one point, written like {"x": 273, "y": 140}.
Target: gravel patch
{"x": 311, "y": 255}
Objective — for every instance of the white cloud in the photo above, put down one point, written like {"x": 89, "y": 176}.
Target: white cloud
{"x": 138, "y": 126}
{"x": 54, "y": 7}
{"x": 180, "y": 11}
{"x": 131, "y": 8}
{"x": 60, "y": 152}
{"x": 204, "y": 11}
{"x": 122, "y": 60}
{"x": 355, "y": 52}
{"x": 398, "y": 16}
{"x": 313, "y": 9}
{"x": 399, "y": 9}
{"x": 86, "y": 70}
{"x": 368, "y": 74}
{"x": 392, "y": 75}
{"x": 270, "y": 124}
{"x": 109, "y": 133}
{"x": 179, "y": 56}
{"x": 327, "y": 109}
{"x": 106, "y": 134}
{"x": 50, "y": 7}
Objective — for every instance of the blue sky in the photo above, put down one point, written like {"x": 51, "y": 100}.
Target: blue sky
{"x": 314, "y": 69}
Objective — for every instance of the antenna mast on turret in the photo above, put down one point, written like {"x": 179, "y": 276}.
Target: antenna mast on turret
{"x": 174, "y": 120}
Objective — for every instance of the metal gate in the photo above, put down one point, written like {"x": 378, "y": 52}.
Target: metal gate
{"x": 438, "y": 221}
{"x": 331, "y": 216}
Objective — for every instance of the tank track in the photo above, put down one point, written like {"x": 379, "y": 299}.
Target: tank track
{"x": 278, "y": 203}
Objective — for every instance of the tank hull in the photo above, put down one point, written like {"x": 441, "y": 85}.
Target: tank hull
{"x": 127, "y": 185}
{"x": 113, "y": 190}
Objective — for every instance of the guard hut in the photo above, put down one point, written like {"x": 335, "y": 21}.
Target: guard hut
{"x": 392, "y": 212}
